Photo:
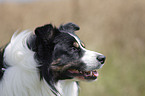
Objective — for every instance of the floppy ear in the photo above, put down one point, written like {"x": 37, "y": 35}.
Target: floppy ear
{"x": 69, "y": 27}
{"x": 44, "y": 42}
{"x": 42, "y": 36}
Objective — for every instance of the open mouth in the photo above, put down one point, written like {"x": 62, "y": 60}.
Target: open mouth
{"x": 84, "y": 75}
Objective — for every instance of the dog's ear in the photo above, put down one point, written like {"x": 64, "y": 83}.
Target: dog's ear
{"x": 46, "y": 32}
{"x": 69, "y": 27}
{"x": 44, "y": 37}
{"x": 44, "y": 47}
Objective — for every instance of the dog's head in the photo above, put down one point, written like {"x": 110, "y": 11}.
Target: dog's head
{"x": 62, "y": 55}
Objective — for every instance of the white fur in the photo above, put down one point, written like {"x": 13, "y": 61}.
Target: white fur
{"x": 68, "y": 88}
{"x": 21, "y": 78}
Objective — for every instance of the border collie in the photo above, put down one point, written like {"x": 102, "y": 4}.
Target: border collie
{"x": 47, "y": 62}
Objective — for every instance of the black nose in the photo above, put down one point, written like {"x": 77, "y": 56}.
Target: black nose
{"x": 101, "y": 59}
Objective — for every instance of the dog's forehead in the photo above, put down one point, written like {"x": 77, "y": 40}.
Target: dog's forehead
{"x": 67, "y": 37}
{"x": 75, "y": 37}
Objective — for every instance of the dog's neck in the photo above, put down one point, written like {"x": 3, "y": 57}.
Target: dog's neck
{"x": 68, "y": 88}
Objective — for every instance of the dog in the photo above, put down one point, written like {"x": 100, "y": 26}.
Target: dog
{"x": 47, "y": 62}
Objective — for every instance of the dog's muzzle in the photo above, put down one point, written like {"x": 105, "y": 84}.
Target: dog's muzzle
{"x": 93, "y": 60}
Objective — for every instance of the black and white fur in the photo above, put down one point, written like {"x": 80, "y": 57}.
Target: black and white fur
{"x": 47, "y": 62}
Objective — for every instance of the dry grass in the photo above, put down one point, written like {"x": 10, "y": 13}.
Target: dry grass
{"x": 112, "y": 27}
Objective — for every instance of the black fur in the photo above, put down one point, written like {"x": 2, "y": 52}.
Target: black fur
{"x": 44, "y": 50}
{"x": 2, "y": 64}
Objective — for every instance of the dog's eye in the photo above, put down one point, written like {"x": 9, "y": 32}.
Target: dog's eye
{"x": 75, "y": 44}
{"x": 74, "y": 49}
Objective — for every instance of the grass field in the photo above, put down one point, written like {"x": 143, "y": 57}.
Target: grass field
{"x": 115, "y": 28}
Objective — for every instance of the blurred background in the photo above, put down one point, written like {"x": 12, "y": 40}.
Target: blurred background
{"x": 115, "y": 28}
